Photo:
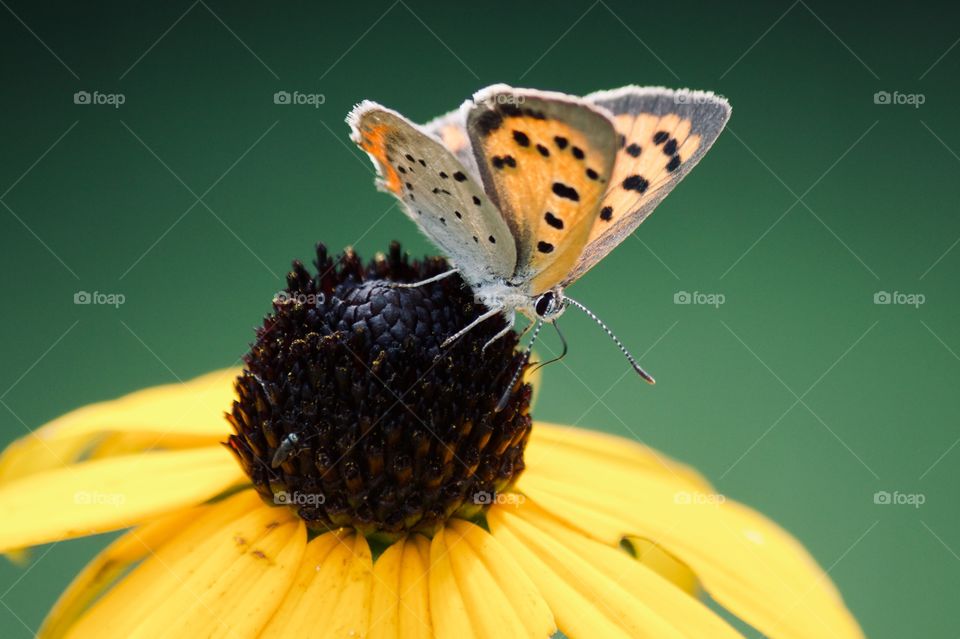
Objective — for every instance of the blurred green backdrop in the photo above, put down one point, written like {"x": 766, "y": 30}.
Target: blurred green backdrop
{"x": 799, "y": 394}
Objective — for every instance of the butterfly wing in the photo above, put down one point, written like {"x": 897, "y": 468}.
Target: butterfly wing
{"x": 662, "y": 134}
{"x": 546, "y": 160}
{"x": 437, "y": 191}
{"x": 451, "y": 130}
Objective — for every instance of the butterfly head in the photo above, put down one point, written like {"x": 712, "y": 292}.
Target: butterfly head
{"x": 550, "y": 305}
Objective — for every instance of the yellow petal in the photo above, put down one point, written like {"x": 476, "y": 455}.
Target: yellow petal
{"x": 746, "y": 562}
{"x": 98, "y": 496}
{"x": 101, "y": 573}
{"x": 400, "y": 605}
{"x": 330, "y": 595}
{"x": 168, "y": 416}
{"x": 598, "y": 458}
{"x": 448, "y": 609}
{"x": 606, "y": 463}
{"x": 499, "y": 595}
{"x": 669, "y": 605}
{"x": 223, "y": 576}
{"x": 595, "y": 590}
{"x": 664, "y": 564}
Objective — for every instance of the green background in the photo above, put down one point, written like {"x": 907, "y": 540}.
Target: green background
{"x": 798, "y": 395}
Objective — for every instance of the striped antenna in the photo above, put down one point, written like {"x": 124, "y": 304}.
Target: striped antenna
{"x": 623, "y": 349}
{"x": 508, "y": 391}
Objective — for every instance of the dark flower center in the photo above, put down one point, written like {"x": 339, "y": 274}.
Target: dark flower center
{"x": 350, "y": 412}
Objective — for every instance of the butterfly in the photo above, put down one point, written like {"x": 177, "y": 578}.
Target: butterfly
{"x": 526, "y": 190}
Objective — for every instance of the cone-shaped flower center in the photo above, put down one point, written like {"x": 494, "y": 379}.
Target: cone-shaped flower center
{"x": 350, "y": 412}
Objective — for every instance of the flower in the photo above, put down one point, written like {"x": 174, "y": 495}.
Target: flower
{"x": 379, "y": 495}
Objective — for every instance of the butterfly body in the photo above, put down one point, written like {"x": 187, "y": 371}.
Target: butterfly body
{"x": 526, "y": 190}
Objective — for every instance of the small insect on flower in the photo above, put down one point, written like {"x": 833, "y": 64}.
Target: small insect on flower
{"x": 526, "y": 190}
{"x": 288, "y": 448}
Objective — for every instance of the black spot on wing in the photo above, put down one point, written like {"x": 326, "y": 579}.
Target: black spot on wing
{"x": 562, "y": 190}
{"x": 459, "y": 176}
{"x": 544, "y": 151}
{"x": 476, "y": 200}
{"x": 553, "y": 220}
{"x": 593, "y": 175}
{"x": 636, "y": 183}
{"x": 606, "y": 213}
{"x": 673, "y": 164}
{"x": 560, "y": 141}
{"x": 577, "y": 152}
{"x": 544, "y": 247}
{"x": 670, "y": 148}
{"x": 521, "y": 138}
{"x": 634, "y": 150}
{"x": 660, "y": 137}
{"x": 489, "y": 121}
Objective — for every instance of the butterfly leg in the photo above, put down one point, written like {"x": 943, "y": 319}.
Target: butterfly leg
{"x": 510, "y": 318}
{"x": 469, "y": 327}
{"x": 429, "y": 280}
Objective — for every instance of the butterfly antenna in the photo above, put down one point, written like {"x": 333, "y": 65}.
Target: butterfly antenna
{"x": 562, "y": 354}
{"x": 505, "y": 398}
{"x": 623, "y": 349}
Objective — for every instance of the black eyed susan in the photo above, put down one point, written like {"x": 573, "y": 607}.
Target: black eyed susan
{"x": 379, "y": 495}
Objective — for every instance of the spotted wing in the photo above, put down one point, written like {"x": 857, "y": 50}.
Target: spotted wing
{"x": 437, "y": 192}
{"x": 662, "y": 134}
{"x": 546, "y": 159}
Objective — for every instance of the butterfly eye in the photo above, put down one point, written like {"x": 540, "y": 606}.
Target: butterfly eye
{"x": 545, "y": 304}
